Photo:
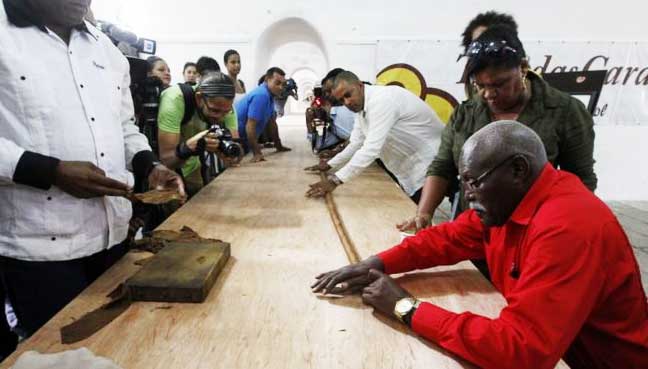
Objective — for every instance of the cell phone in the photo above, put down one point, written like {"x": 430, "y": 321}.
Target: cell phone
{"x": 317, "y": 92}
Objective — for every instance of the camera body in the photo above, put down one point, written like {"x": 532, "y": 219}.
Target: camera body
{"x": 289, "y": 89}
{"x": 317, "y": 106}
{"x": 226, "y": 144}
{"x": 126, "y": 41}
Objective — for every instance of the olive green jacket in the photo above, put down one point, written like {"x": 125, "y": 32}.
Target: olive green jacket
{"x": 562, "y": 122}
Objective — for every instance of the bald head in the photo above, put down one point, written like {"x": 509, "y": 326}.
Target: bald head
{"x": 498, "y": 166}
{"x": 499, "y": 140}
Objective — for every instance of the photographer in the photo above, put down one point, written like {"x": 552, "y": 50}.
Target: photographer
{"x": 326, "y": 108}
{"x": 159, "y": 68}
{"x": 184, "y": 136}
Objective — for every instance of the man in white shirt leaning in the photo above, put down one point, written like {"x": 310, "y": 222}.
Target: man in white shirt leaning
{"x": 392, "y": 124}
{"x": 68, "y": 151}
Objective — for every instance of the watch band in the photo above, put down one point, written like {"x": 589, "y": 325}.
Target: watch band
{"x": 407, "y": 318}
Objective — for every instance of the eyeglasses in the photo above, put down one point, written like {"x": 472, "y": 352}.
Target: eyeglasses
{"x": 477, "y": 48}
{"x": 474, "y": 184}
{"x": 214, "y": 111}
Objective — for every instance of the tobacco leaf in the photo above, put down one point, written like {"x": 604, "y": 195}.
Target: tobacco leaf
{"x": 157, "y": 197}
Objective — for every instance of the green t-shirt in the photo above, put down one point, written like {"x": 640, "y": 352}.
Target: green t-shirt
{"x": 170, "y": 114}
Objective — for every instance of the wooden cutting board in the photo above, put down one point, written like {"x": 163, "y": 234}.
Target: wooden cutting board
{"x": 180, "y": 272}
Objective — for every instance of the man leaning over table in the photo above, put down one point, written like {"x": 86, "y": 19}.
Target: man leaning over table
{"x": 556, "y": 252}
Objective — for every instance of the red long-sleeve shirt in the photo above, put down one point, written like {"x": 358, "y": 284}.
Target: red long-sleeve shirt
{"x": 578, "y": 295}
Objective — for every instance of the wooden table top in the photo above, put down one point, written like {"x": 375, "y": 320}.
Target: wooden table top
{"x": 261, "y": 312}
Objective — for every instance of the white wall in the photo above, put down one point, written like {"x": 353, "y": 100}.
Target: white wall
{"x": 344, "y": 21}
{"x": 620, "y": 153}
{"x": 344, "y": 34}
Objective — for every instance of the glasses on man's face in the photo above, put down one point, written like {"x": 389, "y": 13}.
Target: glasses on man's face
{"x": 474, "y": 184}
{"x": 489, "y": 48}
{"x": 214, "y": 111}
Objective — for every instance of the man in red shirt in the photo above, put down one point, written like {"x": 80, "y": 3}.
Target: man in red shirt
{"x": 556, "y": 252}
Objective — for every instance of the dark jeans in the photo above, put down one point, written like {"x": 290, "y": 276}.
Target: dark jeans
{"x": 38, "y": 290}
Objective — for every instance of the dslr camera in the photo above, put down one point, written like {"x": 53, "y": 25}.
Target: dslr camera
{"x": 226, "y": 144}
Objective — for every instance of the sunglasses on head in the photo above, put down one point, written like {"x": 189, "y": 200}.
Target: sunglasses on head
{"x": 489, "y": 48}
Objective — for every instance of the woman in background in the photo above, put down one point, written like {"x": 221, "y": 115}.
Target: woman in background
{"x": 232, "y": 61}
{"x": 159, "y": 68}
{"x": 190, "y": 73}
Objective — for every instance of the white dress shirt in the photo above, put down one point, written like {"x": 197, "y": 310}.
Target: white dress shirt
{"x": 70, "y": 102}
{"x": 397, "y": 127}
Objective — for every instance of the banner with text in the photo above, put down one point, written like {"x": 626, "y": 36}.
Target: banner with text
{"x": 433, "y": 71}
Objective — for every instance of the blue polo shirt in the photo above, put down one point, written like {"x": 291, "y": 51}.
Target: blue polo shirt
{"x": 257, "y": 104}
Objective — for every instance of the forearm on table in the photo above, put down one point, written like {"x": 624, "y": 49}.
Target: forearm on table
{"x": 250, "y": 130}
{"x": 274, "y": 132}
{"x": 434, "y": 190}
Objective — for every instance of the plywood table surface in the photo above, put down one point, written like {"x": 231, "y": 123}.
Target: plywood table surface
{"x": 261, "y": 313}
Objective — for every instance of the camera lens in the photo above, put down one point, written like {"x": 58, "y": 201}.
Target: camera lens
{"x": 230, "y": 149}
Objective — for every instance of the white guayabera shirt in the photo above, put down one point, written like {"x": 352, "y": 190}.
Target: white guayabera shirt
{"x": 70, "y": 102}
{"x": 397, "y": 127}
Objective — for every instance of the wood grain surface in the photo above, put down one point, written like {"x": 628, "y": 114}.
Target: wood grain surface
{"x": 261, "y": 312}
{"x": 180, "y": 272}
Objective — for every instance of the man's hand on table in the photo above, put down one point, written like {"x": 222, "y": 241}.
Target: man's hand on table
{"x": 416, "y": 223}
{"x": 322, "y": 166}
{"x": 163, "y": 178}
{"x": 326, "y": 154}
{"x": 321, "y": 188}
{"x": 383, "y": 292}
{"x": 349, "y": 279}
{"x": 85, "y": 180}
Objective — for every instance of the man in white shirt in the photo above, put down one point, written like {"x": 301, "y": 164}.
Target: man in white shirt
{"x": 393, "y": 125}
{"x": 68, "y": 144}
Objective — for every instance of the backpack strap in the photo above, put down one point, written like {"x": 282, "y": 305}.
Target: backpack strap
{"x": 190, "y": 103}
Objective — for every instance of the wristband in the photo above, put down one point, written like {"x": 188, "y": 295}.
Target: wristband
{"x": 183, "y": 151}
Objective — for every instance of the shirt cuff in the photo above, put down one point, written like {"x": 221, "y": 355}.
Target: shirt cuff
{"x": 395, "y": 260}
{"x": 343, "y": 175}
{"x": 143, "y": 164}
{"x": 36, "y": 170}
{"x": 429, "y": 321}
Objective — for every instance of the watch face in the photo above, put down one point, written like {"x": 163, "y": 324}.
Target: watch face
{"x": 403, "y": 306}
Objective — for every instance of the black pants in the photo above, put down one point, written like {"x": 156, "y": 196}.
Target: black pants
{"x": 37, "y": 290}
{"x": 8, "y": 339}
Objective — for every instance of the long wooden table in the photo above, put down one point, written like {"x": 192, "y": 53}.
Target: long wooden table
{"x": 261, "y": 312}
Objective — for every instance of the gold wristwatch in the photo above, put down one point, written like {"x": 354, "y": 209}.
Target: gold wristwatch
{"x": 405, "y": 308}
